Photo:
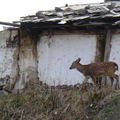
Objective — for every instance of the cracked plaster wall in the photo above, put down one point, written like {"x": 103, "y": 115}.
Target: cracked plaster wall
{"x": 27, "y": 62}
{"x": 18, "y": 60}
{"x": 49, "y": 58}
{"x": 9, "y": 54}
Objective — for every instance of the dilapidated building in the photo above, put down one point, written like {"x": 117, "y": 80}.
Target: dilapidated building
{"x": 49, "y": 41}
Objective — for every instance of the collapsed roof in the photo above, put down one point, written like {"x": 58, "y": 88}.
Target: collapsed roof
{"x": 79, "y": 15}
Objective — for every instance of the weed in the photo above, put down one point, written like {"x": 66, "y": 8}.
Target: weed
{"x": 51, "y": 104}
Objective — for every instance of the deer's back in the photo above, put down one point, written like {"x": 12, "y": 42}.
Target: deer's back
{"x": 102, "y": 66}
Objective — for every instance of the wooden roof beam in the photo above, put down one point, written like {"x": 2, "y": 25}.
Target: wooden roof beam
{"x": 10, "y": 24}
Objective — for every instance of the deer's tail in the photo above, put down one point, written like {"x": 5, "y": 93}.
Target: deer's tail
{"x": 116, "y": 66}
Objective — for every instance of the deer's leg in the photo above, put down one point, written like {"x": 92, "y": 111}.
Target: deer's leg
{"x": 117, "y": 79}
{"x": 117, "y": 83}
{"x": 105, "y": 81}
{"x": 86, "y": 79}
{"x": 112, "y": 79}
{"x": 94, "y": 79}
{"x": 99, "y": 81}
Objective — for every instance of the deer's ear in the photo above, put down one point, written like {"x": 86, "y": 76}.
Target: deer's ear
{"x": 78, "y": 60}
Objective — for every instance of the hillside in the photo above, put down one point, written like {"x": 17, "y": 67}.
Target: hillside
{"x": 85, "y": 102}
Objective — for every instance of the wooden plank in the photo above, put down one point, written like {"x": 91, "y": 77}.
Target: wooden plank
{"x": 105, "y": 80}
{"x": 10, "y": 24}
{"x": 107, "y": 45}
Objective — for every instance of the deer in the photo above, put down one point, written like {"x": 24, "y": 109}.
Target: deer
{"x": 97, "y": 69}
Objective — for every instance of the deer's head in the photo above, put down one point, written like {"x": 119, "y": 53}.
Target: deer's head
{"x": 75, "y": 63}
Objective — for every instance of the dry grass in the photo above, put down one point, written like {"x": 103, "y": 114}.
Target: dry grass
{"x": 53, "y": 104}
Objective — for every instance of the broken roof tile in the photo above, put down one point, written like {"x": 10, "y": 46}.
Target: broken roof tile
{"x": 78, "y": 13}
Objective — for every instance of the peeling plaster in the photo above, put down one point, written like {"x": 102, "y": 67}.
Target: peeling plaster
{"x": 8, "y": 53}
{"x": 25, "y": 59}
{"x": 27, "y": 62}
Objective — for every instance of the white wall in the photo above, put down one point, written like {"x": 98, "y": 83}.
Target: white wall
{"x": 56, "y": 54}
{"x": 115, "y": 51}
{"x": 6, "y": 54}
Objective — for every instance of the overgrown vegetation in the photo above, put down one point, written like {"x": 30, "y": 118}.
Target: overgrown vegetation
{"x": 53, "y": 104}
